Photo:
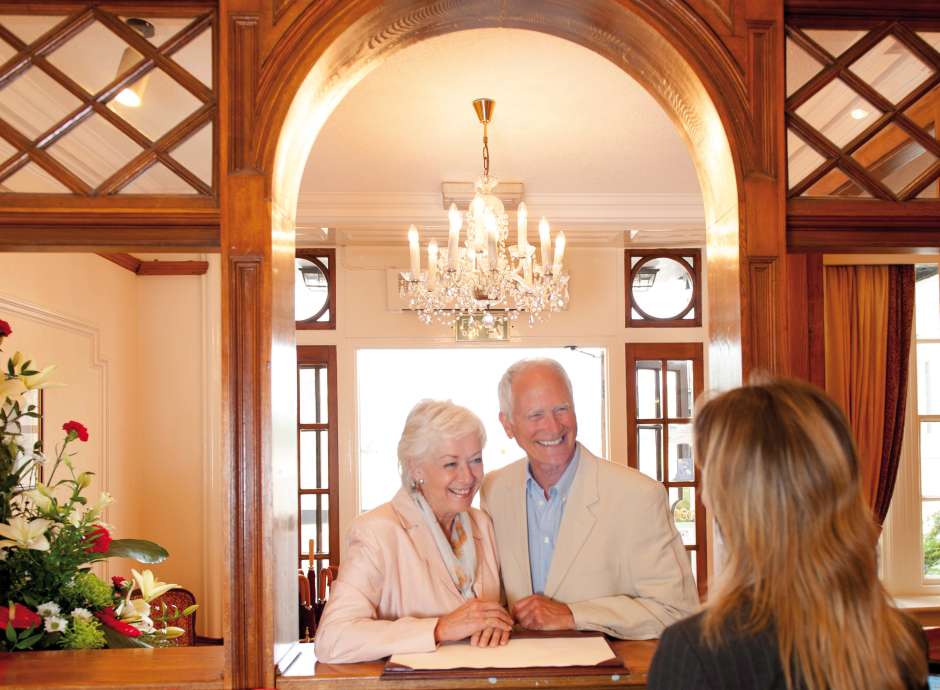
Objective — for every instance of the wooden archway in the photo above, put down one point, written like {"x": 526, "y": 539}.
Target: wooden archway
{"x": 713, "y": 65}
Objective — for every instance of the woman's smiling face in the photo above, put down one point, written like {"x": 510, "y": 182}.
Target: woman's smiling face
{"x": 451, "y": 476}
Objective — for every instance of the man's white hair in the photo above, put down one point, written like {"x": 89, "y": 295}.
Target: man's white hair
{"x": 505, "y": 383}
{"x": 429, "y": 423}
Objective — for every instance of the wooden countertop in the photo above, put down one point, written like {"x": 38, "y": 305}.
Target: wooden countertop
{"x": 306, "y": 673}
{"x": 185, "y": 668}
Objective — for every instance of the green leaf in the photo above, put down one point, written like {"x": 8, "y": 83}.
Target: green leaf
{"x": 140, "y": 550}
{"x": 11, "y": 633}
{"x": 28, "y": 642}
{"x": 118, "y": 641}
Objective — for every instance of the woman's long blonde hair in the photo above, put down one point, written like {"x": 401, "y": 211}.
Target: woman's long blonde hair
{"x": 781, "y": 477}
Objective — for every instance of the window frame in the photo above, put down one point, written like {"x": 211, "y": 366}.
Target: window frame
{"x": 310, "y": 356}
{"x": 647, "y": 255}
{"x": 635, "y": 352}
{"x": 315, "y": 256}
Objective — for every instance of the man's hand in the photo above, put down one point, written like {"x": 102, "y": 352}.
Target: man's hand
{"x": 538, "y": 612}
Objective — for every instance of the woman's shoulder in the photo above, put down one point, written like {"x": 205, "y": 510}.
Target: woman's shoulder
{"x": 382, "y": 519}
{"x": 686, "y": 631}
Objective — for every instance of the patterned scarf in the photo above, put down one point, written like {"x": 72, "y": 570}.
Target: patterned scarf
{"x": 457, "y": 550}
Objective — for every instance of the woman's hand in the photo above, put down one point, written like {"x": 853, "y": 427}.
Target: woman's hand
{"x": 491, "y": 637}
{"x": 480, "y": 620}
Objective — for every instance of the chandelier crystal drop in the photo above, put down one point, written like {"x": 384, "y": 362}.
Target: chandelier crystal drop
{"x": 485, "y": 274}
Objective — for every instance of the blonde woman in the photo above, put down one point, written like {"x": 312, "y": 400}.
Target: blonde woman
{"x": 420, "y": 569}
{"x": 798, "y": 603}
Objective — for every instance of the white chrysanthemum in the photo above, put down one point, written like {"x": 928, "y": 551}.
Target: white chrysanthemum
{"x": 50, "y": 608}
{"x": 84, "y": 614}
{"x": 56, "y": 624}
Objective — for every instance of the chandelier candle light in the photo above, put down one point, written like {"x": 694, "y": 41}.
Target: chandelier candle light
{"x": 486, "y": 274}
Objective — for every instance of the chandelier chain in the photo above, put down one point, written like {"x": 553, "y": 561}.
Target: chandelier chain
{"x": 486, "y": 153}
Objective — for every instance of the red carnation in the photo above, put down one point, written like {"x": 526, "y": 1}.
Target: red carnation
{"x": 79, "y": 430}
{"x": 106, "y": 616}
{"x": 5, "y": 329}
{"x": 22, "y": 616}
{"x": 99, "y": 538}
{"x": 118, "y": 581}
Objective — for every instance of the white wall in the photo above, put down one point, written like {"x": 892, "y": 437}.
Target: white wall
{"x": 139, "y": 357}
{"x": 595, "y": 318}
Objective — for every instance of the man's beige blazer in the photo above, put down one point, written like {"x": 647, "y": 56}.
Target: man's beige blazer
{"x": 393, "y": 585}
{"x": 619, "y": 562}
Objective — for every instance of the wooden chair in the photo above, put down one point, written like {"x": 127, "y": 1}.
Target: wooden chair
{"x": 181, "y": 598}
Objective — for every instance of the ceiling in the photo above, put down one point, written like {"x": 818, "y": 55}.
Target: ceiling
{"x": 595, "y": 152}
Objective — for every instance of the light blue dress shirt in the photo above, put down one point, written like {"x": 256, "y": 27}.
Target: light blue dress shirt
{"x": 544, "y": 519}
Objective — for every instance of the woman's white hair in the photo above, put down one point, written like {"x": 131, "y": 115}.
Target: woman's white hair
{"x": 505, "y": 383}
{"x": 429, "y": 423}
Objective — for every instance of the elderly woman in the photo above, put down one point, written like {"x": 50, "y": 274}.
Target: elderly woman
{"x": 421, "y": 569}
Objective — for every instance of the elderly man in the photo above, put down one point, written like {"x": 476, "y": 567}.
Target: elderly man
{"x": 584, "y": 544}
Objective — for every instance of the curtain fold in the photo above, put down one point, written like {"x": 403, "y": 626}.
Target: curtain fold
{"x": 869, "y": 312}
{"x": 898, "y": 349}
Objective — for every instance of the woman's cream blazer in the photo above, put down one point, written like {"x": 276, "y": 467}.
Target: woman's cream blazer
{"x": 393, "y": 585}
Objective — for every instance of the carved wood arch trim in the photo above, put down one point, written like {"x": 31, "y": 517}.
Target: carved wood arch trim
{"x": 325, "y": 40}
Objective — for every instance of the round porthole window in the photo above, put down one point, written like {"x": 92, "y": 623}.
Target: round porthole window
{"x": 663, "y": 288}
{"x": 311, "y": 289}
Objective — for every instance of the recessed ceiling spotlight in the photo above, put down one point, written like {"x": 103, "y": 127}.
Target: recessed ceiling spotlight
{"x": 859, "y": 114}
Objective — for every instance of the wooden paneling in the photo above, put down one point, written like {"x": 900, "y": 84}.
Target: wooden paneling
{"x": 243, "y": 75}
{"x": 127, "y": 261}
{"x": 183, "y": 668}
{"x": 762, "y": 283}
{"x": 157, "y": 267}
{"x": 247, "y": 650}
{"x": 763, "y": 85}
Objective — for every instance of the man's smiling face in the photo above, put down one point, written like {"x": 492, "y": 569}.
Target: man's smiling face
{"x": 543, "y": 421}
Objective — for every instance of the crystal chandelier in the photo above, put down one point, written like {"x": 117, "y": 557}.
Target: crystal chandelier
{"x": 486, "y": 276}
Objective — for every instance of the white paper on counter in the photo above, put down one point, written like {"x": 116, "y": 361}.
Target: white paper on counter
{"x": 519, "y": 653}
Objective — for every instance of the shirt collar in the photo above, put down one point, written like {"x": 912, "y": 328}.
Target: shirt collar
{"x": 563, "y": 485}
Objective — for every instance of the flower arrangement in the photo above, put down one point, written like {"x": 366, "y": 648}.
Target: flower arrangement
{"x": 50, "y": 535}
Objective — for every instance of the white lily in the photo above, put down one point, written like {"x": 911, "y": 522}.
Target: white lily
{"x": 150, "y": 588}
{"x": 95, "y": 508}
{"x": 25, "y": 534}
{"x": 171, "y": 632}
{"x": 76, "y": 517}
{"x": 11, "y": 388}
{"x": 39, "y": 499}
{"x": 137, "y": 613}
{"x": 39, "y": 380}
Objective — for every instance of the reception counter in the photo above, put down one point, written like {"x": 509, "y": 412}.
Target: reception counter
{"x": 201, "y": 668}
{"x": 304, "y": 673}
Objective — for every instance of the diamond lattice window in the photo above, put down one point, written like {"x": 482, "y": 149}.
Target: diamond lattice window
{"x": 95, "y": 103}
{"x": 862, "y": 109}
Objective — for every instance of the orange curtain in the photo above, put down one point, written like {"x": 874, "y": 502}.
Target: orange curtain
{"x": 856, "y": 341}
{"x": 869, "y": 310}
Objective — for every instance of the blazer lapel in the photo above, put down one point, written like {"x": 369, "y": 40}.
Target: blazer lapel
{"x": 576, "y": 523}
{"x": 421, "y": 538}
{"x": 478, "y": 575}
{"x": 519, "y": 525}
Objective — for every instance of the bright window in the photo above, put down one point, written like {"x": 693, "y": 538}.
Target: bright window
{"x": 926, "y": 432}
{"x": 390, "y": 382}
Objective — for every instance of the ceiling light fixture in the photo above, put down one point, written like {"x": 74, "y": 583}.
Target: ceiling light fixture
{"x": 486, "y": 275}
{"x": 859, "y": 114}
{"x": 133, "y": 95}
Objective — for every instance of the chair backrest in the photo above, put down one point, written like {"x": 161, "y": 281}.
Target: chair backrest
{"x": 181, "y": 598}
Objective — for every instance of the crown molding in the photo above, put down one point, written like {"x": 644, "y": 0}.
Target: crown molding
{"x": 382, "y": 218}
